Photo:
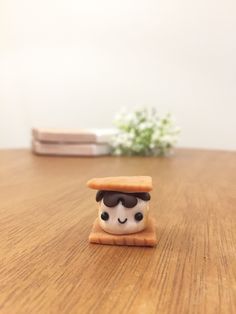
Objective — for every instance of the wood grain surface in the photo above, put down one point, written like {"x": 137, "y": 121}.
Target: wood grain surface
{"x": 46, "y": 214}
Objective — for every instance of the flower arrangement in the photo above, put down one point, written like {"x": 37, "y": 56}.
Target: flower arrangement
{"x": 144, "y": 133}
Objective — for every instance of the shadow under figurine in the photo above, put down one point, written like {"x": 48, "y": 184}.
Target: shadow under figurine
{"x": 123, "y": 211}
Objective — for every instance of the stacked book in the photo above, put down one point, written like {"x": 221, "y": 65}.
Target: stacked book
{"x": 81, "y": 142}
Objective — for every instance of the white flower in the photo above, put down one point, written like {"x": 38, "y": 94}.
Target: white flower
{"x": 143, "y": 132}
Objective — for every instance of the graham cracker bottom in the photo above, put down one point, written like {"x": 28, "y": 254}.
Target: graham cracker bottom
{"x": 146, "y": 237}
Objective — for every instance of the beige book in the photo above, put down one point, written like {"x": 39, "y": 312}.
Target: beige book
{"x": 70, "y": 149}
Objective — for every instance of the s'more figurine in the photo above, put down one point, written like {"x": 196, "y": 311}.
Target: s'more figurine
{"x": 123, "y": 211}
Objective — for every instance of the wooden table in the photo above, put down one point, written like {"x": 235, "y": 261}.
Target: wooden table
{"x": 46, "y": 213}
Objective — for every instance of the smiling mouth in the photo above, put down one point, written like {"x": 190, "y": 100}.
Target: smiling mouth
{"x": 122, "y": 222}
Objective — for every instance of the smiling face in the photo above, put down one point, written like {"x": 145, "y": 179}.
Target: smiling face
{"x": 121, "y": 213}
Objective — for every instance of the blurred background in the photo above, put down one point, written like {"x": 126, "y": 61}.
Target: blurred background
{"x": 67, "y": 63}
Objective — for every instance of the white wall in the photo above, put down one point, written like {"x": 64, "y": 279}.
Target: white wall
{"x": 73, "y": 63}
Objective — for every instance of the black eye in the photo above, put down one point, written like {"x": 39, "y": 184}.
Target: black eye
{"x": 138, "y": 216}
{"x": 104, "y": 216}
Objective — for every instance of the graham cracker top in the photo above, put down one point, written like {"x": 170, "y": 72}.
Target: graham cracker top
{"x": 123, "y": 184}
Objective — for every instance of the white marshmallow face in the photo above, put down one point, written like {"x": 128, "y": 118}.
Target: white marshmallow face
{"x": 122, "y": 220}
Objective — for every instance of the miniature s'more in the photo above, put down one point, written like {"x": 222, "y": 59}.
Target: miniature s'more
{"x": 123, "y": 211}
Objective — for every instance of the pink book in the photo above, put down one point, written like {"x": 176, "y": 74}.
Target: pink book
{"x": 73, "y": 135}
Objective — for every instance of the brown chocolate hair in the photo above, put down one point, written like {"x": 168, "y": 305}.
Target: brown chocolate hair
{"x": 129, "y": 200}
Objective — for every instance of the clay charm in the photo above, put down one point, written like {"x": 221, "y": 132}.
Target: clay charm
{"x": 123, "y": 211}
